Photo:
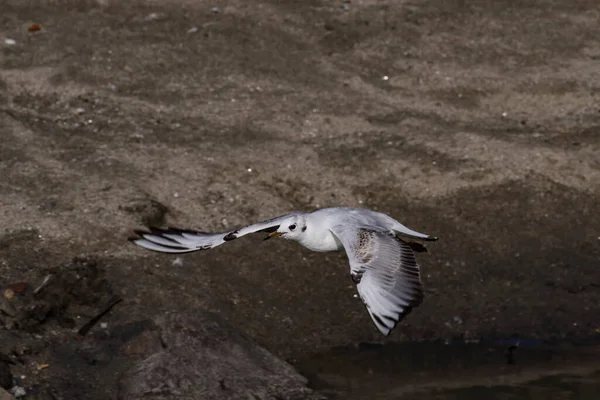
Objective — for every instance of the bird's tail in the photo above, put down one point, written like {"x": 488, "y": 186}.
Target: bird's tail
{"x": 174, "y": 240}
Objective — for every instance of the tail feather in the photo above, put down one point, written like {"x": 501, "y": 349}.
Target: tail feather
{"x": 174, "y": 240}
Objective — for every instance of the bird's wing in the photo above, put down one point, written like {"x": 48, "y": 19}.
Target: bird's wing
{"x": 175, "y": 240}
{"x": 385, "y": 271}
{"x": 405, "y": 231}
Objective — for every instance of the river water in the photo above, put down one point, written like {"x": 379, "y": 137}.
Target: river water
{"x": 443, "y": 371}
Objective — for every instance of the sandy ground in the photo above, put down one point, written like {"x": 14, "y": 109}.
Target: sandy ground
{"x": 475, "y": 121}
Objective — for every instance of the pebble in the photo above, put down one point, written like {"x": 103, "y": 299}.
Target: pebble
{"x": 7, "y": 307}
{"x": 155, "y": 17}
{"x": 178, "y": 262}
{"x": 193, "y": 29}
{"x": 10, "y": 42}
{"x": 215, "y": 10}
{"x": 18, "y": 391}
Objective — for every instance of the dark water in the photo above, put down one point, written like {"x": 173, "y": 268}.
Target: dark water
{"x": 575, "y": 386}
{"x": 434, "y": 370}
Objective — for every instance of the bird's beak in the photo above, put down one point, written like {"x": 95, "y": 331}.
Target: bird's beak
{"x": 274, "y": 234}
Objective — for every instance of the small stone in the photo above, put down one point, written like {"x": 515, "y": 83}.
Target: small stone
{"x": 111, "y": 86}
{"x": 6, "y": 307}
{"x": 18, "y": 391}
{"x": 345, "y": 6}
{"x": 42, "y": 366}
{"x": 155, "y": 17}
{"x": 385, "y": 77}
{"x": 9, "y": 293}
{"x": 458, "y": 320}
{"x": 193, "y": 29}
{"x": 137, "y": 136}
{"x": 10, "y": 42}
{"x": 215, "y": 10}
{"x": 104, "y": 325}
{"x": 178, "y": 262}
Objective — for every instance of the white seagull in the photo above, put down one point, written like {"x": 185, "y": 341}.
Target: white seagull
{"x": 382, "y": 265}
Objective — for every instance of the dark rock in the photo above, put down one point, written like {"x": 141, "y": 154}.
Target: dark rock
{"x": 77, "y": 283}
{"x": 6, "y": 378}
{"x": 202, "y": 357}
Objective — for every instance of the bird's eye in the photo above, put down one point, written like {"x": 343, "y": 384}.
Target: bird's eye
{"x": 292, "y": 227}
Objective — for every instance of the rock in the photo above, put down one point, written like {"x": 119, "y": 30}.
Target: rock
{"x": 18, "y": 391}
{"x": 202, "y": 357}
{"x": 6, "y": 306}
{"x": 77, "y": 283}
{"x": 4, "y": 395}
{"x": 6, "y": 378}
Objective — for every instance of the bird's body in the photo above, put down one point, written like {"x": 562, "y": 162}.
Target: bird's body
{"x": 382, "y": 265}
{"x": 323, "y": 240}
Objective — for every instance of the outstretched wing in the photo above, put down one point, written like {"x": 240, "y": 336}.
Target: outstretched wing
{"x": 385, "y": 271}
{"x": 175, "y": 240}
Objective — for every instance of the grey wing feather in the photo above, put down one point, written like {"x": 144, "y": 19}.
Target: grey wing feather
{"x": 385, "y": 271}
{"x": 175, "y": 240}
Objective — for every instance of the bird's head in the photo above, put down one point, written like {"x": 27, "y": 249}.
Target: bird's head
{"x": 293, "y": 227}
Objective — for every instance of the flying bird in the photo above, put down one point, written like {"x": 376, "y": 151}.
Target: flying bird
{"x": 382, "y": 265}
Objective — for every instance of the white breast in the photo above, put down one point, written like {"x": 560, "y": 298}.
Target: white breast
{"x": 322, "y": 240}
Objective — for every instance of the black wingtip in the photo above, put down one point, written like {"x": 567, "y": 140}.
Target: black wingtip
{"x": 417, "y": 247}
{"x": 432, "y": 238}
{"x": 158, "y": 231}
